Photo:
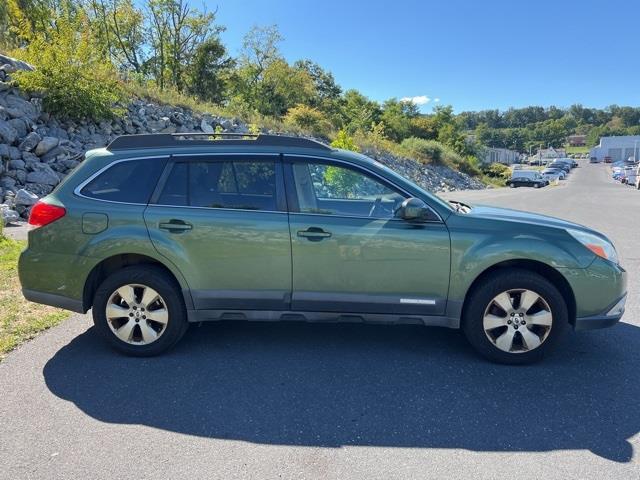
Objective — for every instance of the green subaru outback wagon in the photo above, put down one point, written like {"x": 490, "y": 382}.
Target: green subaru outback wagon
{"x": 156, "y": 231}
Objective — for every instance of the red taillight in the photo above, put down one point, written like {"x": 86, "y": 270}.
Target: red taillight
{"x": 43, "y": 214}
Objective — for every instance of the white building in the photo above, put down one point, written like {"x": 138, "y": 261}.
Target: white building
{"x": 499, "y": 155}
{"x": 618, "y": 148}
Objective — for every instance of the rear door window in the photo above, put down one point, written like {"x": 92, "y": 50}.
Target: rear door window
{"x": 237, "y": 184}
{"x": 128, "y": 181}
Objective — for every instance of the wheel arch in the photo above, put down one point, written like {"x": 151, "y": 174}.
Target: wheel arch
{"x": 113, "y": 263}
{"x": 542, "y": 269}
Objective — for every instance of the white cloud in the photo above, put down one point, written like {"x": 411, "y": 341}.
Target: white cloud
{"x": 418, "y": 100}
{"x": 436, "y": 100}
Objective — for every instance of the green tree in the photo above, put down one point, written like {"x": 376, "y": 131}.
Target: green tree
{"x": 118, "y": 26}
{"x": 308, "y": 120}
{"x": 397, "y": 116}
{"x": 344, "y": 141}
{"x": 358, "y": 112}
{"x": 209, "y": 71}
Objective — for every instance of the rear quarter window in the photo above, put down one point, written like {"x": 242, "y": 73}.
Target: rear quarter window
{"x": 128, "y": 181}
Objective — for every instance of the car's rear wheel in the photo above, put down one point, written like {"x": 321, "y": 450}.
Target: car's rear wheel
{"x": 140, "y": 310}
{"x": 515, "y": 317}
{"x": 512, "y": 185}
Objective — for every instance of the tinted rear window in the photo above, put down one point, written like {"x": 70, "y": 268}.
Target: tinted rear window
{"x": 130, "y": 181}
{"x": 242, "y": 185}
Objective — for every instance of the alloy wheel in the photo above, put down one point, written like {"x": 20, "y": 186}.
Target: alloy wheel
{"x": 137, "y": 314}
{"x": 517, "y": 321}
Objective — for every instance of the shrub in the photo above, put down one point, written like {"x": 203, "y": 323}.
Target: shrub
{"x": 345, "y": 142}
{"x": 307, "y": 119}
{"x": 497, "y": 170}
{"x": 426, "y": 151}
{"x": 73, "y": 79}
{"x": 431, "y": 151}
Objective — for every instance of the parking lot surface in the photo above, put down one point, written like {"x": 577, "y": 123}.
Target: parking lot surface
{"x": 303, "y": 401}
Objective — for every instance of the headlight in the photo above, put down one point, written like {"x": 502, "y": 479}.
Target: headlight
{"x": 597, "y": 245}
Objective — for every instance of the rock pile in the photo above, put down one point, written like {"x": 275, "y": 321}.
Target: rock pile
{"x": 38, "y": 150}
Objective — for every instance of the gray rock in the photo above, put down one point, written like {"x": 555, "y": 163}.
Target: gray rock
{"x": 58, "y": 153}
{"x": 8, "y": 215}
{"x": 17, "y": 165}
{"x": 43, "y": 174}
{"x": 20, "y": 125}
{"x": 30, "y": 142}
{"x": 205, "y": 127}
{"x": 19, "y": 175}
{"x": 8, "y": 134}
{"x": 4, "y": 151}
{"x": 18, "y": 64}
{"x": 14, "y": 153}
{"x": 45, "y": 145}
{"x": 39, "y": 189}
{"x": 4, "y": 85}
{"x": 18, "y": 107}
{"x": 69, "y": 163}
{"x": 7, "y": 183}
{"x": 30, "y": 158}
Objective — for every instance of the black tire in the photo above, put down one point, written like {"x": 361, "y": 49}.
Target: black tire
{"x": 536, "y": 185}
{"x": 512, "y": 185}
{"x": 165, "y": 286}
{"x": 512, "y": 279}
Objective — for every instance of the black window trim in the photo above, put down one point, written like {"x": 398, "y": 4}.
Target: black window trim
{"x": 292, "y": 198}
{"x": 281, "y": 202}
{"x": 78, "y": 190}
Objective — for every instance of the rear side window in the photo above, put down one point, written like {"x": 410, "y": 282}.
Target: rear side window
{"x": 130, "y": 181}
{"x": 246, "y": 185}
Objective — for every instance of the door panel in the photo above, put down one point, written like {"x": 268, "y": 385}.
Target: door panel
{"x": 231, "y": 258}
{"x": 370, "y": 266}
{"x": 363, "y": 264}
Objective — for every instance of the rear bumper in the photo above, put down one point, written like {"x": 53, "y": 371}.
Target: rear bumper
{"x": 609, "y": 318}
{"x": 53, "y": 300}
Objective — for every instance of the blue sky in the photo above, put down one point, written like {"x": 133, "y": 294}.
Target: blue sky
{"x": 474, "y": 55}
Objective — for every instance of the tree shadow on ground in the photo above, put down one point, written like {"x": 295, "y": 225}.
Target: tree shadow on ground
{"x": 338, "y": 385}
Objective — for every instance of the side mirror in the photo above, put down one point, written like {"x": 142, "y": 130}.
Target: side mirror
{"x": 413, "y": 210}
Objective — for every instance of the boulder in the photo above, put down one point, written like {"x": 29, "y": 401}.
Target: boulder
{"x": 8, "y": 215}
{"x": 15, "y": 63}
{"x": 43, "y": 174}
{"x": 8, "y": 134}
{"x": 23, "y": 197}
{"x": 7, "y": 183}
{"x": 17, "y": 165}
{"x": 57, "y": 153}
{"x": 45, "y": 145}
{"x": 18, "y": 107}
{"x": 20, "y": 125}
{"x": 4, "y": 151}
{"x": 14, "y": 153}
{"x": 205, "y": 127}
{"x": 39, "y": 189}
{"x": 30, "y": 142}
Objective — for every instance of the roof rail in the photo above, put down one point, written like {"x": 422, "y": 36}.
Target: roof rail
{"x": 159, "y": 140}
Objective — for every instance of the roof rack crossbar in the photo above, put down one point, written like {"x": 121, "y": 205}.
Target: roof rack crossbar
{"x": 160, "y": 140}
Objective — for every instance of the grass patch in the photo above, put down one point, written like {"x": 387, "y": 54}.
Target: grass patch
{"x": 20, "y": 320}
{"x": 576, "y": 150}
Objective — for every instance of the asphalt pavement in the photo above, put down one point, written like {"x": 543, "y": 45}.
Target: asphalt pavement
{"x": 303, "y": 401}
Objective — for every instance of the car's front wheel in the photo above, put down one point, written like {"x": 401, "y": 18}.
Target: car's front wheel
{"x": 140, "y": 311}
{"x": 514, "y": 317}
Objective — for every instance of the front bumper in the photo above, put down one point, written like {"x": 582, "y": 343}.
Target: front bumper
{"x": 609, "y": 318}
